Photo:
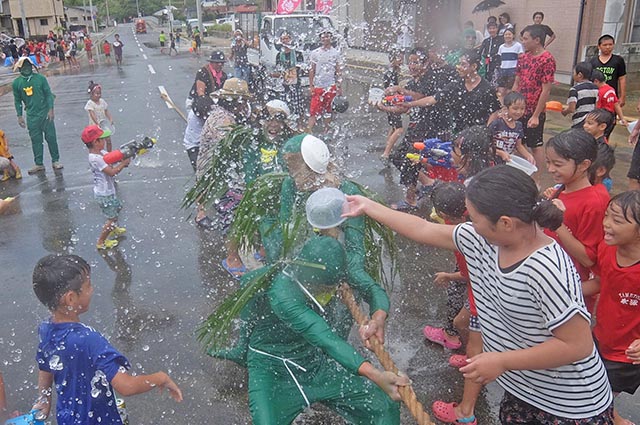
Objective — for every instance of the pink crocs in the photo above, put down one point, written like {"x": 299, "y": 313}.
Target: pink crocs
{"x": 439, "y": 336}
{"x": 458, "y": 360}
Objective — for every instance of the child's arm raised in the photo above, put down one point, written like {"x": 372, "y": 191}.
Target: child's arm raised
{"x": 127, "y": 385}
{"x": 571, "y": 342}
{"x": 410, "y": 226}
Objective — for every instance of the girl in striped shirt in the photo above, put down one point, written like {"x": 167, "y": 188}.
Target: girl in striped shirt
{"x": 535, "y": 327}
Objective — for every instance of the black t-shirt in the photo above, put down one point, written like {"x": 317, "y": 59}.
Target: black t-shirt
{"x": 547, "y": 30}
{"x": 210, "y": 83}
{"x": 469, "y": 108}
{"x": 612, "y": 70}
{"x": 391, "y": 77}
{"x": 418, "y": 116}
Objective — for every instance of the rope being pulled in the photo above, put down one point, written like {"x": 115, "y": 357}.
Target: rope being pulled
{"x": 407, "y": 394}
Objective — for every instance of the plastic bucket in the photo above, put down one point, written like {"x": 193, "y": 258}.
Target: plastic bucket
{"x": 107, "y": 126}
{"x": 522, "y": 165}
{"x": 325, "y": 207}
{"x": 376, "y": 94}
{"x": 631, "y": 126}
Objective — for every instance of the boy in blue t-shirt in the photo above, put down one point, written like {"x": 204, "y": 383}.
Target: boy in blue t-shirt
{"x": 81, "y": 363}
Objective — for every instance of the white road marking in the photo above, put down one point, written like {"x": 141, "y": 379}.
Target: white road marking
{"x": 141, "y": 49}
{"x": 151, "y": 70}
{"x": 144, "y": 56}
{"x": 163, "y": 92}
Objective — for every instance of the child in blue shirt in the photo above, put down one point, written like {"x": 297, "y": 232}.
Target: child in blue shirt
{"x": 84, "y": 367}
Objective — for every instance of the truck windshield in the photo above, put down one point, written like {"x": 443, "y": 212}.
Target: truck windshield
{"x": 304, "y": 27}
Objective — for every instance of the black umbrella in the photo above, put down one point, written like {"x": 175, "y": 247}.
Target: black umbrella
{"x": 485, "y": 5}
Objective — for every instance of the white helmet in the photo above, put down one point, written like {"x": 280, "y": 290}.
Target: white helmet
{"x": 315, "y": 154}
{"x": 276, "y": 106}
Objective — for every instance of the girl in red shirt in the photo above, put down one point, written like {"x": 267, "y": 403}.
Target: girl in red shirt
{"x": 617, "y": 329}
{"x": 569, "y": 156}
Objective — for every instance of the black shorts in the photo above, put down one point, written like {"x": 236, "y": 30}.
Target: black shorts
{"x": 395, "y": 121}
{"x": 623, "y": 377}
{"x": 506, "y": 78}
{"x": 515, "y": 411}
{"x": 533, "y": 137}
{"x": 162, "y": 44}
{"x": 634, "y": 167}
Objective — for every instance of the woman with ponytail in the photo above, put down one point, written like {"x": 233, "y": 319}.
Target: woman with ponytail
{"x": 536, "y": 332}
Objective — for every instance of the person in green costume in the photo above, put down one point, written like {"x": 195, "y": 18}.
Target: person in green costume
{"x": 307, "y": 159}
{"x": 32, "y": 90}
{"x": 293, "y": 356}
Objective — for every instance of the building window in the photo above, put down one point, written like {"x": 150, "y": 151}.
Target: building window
{"x": 73, "y": 19}
{"x": 44, "y": 22}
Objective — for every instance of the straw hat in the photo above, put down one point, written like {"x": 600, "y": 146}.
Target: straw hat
{"x": 233, "y": 87}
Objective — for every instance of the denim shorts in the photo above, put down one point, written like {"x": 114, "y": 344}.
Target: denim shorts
{"x": 110, "y": 205}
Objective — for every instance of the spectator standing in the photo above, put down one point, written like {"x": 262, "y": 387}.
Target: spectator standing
{"x": 106, "y": 48}
{"x": 479, "y": 36}
{"x": 405, "y": 40}
{"x": 489, "y": 53}
{"x": 612, "y": 66}
{"x": 325, "y": 79}
{"x": 162, "y": 38}
{"x": 505, "y": 23}
{"x": 88, "y": 46}
{"x": 509, "y": 53}
{"x": 534, "y": 75}
{"x": 288, "y": 63}
{"x": 582, "y": 96}
{"x": 538, "y": 17}
{"x": 117, "y": 49}
{"x": 238, "y": 55}
{"x": 490, "y": 20}
{"x": 209, "y": 79}
{"x": 31, "y": 91}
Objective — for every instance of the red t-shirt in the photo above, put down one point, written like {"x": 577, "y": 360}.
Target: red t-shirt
{"x": 618, "y": 314}
{"x": 584, "y": 213}
{"x": 607, "y": 98}
{"x": 533, "y": 71}
{"x": 107, "y": 48}
{"x": 88, "y": 44}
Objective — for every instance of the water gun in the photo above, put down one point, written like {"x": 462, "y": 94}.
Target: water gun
{"x": 34, "y": 417}
{"x": 433, "y": 152}
{"x": 396, "y": 99}
{"x": 129, "y": 150}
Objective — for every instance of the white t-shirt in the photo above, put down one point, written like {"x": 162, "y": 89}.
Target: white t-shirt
{"x": 99, "y": 109}
{"x": 326, "y": 62}
{"x": 102, "y": 183}
{"x": 509, "y": 55}
{"x": 520, "y": 309}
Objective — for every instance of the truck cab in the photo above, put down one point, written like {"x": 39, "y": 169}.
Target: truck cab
{"x": 304, "y": 29}
{"x": 141, "y": 26}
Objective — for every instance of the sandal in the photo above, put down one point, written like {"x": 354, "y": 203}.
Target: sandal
{"x": 439, "y": 336}
{"x": 445, "y": 412}
{"x": 403, "y": 206}
{"x": 235, "y": 272}
{"x": 458, "y": 361}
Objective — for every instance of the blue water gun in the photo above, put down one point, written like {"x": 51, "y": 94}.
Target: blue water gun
{"x": 436, "y": 152}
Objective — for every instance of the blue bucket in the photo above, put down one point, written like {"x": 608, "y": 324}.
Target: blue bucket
{"x": 28, "y": 419}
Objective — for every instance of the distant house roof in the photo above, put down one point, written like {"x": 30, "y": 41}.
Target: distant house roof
{"x": 246, "y": 8}
{"x": 93, "y": 9}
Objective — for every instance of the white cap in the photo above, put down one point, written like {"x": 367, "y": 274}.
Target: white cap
{"x": 278, "y": 106}
{"x": 315, "y": 154}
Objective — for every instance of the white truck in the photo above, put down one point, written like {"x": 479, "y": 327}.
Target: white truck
{"x": 263, "y": 32}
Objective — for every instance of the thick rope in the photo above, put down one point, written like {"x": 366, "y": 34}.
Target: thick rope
{"x": 407, "y": 394}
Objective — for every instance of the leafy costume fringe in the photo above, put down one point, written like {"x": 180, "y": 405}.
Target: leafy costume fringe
{"x": 227, "y": 159}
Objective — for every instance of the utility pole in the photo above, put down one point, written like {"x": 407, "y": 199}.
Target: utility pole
{"x": 23, "y": 16}
{"x": 106, "y": 3}
{"x": 84, "y": 13}
{"x": 199, "y": 15}
{"x": 138, "y": 8}
{"x": 93, "y": 17}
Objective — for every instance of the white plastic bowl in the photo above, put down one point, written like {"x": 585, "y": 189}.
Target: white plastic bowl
{"x": 631, "y": 126}
{"x": 325, "y": 207}
{"x": 522, "y": 165}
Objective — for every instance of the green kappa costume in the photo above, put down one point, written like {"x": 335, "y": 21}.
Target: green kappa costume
{"x": 352, "y": 229}
{"x": 293, "y": 356}
{"x": 34, "y": 92}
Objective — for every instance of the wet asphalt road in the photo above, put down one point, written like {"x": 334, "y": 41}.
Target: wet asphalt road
{"x": 153, "y": 290}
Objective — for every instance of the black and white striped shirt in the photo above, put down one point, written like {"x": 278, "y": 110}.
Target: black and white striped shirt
{"x": 585, "y": 95}
{"x": 520, "y": 309}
